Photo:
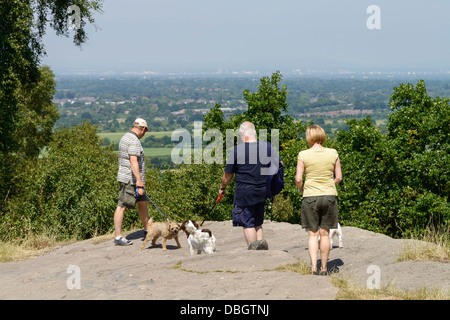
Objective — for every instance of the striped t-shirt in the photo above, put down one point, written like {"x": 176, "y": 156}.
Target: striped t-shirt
{"x": 130, "y": 145}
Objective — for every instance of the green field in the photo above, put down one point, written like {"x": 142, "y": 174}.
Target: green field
{"x": 114, "y": 137}
{"x": 157, "y": 152}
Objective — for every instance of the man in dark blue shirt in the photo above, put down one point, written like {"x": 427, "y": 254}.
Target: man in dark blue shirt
{"x": 250, "y": 162}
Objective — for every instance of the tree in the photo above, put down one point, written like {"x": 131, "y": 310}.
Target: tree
{"x": 37, "y": 114}
{"x": 267, "y": 109}
{"x": 22, "y": 26}
{"x": 420, "y": 130}
{"x": 214, "y": 119}
{"x": 71, "y": 192}
{"x": 398, "y": 183}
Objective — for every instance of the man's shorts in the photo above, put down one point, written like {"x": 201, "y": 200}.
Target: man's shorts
{"x": 319, "y": 212}
{"x": 248, "y": 217}
{"x": 127, "y": 196}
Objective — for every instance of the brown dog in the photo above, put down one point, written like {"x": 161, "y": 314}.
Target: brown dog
{"x": 166, "y": 230}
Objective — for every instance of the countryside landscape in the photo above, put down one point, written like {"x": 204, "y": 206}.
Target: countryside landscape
{"x": 378, "y": 84}
{"x": 170, "y": 103}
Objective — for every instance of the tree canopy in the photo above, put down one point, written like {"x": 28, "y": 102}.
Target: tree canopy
{"x": 26, "y": 113}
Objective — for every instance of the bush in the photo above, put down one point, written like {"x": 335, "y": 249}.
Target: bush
{"x": 189, "y": 193}
{"x": 71, "y": 192}
{"x": 398, "y": 183}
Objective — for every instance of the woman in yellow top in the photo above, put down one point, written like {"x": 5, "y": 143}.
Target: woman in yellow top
{"x": 319, "y": 208}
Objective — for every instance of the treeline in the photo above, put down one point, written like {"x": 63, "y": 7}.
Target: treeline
{"x": 397, "y": 182}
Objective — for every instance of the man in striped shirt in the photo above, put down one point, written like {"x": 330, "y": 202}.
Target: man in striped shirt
{"x": 131, "y": 176}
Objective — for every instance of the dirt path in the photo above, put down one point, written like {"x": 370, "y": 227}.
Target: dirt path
{"x": 111, "y": 272}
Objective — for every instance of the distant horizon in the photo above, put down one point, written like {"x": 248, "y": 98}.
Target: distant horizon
{"x": 357, "y": 73}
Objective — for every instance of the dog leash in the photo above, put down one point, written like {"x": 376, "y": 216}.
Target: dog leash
{"x": 217, "y": 201}
{"x": 138, "y": 195}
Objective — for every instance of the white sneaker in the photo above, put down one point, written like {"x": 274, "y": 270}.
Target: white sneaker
{"x": 121, "y": 241}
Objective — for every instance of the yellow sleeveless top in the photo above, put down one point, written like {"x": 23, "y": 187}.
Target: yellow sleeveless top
{"x": 319, "y": 170}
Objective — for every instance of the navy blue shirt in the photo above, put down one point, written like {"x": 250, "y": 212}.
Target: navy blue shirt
{"x": 250, "y": 162}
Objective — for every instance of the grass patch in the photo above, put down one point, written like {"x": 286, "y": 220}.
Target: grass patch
{"x": 34, "y": 245}
{"x": 433, "y": 246}
{"x": 38, "y": 244}
{"x": 177, "y": 266}
{"x": 348, "y": 290}
{"x": 300, "y": 267}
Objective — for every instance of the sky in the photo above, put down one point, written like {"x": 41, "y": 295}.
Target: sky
{"x": 200, "y": 35}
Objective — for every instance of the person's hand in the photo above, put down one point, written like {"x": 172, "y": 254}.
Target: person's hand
{"x": 140, "y": 191}
{"x": 139, "y": 183}
{"x": 222, "y": 191}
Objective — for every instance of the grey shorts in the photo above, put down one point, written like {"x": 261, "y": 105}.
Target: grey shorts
{"x": 319, "y": 212}
{"x": 127, "y": 196}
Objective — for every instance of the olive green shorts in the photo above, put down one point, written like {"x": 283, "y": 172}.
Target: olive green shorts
{"x": 319, "y": 212}
{"x": 127, "y": 196}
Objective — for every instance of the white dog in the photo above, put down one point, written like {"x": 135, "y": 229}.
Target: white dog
{"x": 335, "y": 232}
{"x": 199, "y": 240}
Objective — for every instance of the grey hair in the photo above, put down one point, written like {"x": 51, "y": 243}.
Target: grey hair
{"x": 247, "y": 129}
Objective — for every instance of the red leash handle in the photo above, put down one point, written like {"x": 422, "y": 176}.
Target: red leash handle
{"x": 220, "y": 197}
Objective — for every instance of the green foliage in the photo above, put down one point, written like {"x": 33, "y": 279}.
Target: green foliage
{"x": 267, "y": 109}
{"x": 398, "y": 183}
{"x": 72, "y": 192}
{"x": 395, "y": 182}
{"x": 214, "y": 119}
{"x": 26, "y": 112}
{"x": 33, "y": 124}
{"x": 37, "y": 114}
{"x": 265, "y": 106}
{"x": 189, "y": 193}
{"x": 23, "y": 25}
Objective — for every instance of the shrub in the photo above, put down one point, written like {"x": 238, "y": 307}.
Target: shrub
{"x": 71, "y": 192}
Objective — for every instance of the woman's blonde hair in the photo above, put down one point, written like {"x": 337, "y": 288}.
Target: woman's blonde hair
{"x": 315, "y": 134}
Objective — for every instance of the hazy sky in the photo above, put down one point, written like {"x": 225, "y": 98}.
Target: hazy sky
{"x": 167, "y": 35}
